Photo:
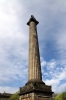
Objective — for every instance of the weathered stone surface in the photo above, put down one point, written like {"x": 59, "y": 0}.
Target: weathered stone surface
{"x": 35, "y": 88}
{"x": 34, "y": 96}
{"x": 34, "y": 67}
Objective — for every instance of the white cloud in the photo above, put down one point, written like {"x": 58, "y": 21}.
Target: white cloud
{"x": 55, "y": 75}
{"x": 13, "y": 43}
{"x": 53, "y": 83}
{"x": 8, "y": 89}
{"x": 62, "y": 88}
{"x": 43, "y": 63}
{"x": 51, "y": 64}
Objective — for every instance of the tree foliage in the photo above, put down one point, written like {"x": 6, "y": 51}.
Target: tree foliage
{"x": 15, "y": 96}
{"x": 61, "y": 96}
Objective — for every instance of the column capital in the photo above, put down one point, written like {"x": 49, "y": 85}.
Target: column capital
{"x": 32, "y": 19}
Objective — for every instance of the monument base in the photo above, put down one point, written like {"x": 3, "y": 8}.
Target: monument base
{"x": 34, "y": 96}
{"x": 35, "y": 90}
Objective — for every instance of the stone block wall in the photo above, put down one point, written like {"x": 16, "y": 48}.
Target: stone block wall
{"x": 33, "y": 96}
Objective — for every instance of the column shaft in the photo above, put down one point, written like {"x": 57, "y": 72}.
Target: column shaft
{"x": 34, "y": 69}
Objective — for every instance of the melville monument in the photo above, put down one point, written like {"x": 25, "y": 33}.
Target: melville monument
{"x": 35, "y": 88}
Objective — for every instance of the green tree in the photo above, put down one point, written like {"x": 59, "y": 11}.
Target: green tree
{"x": 15, "y": 96}
{"x": 61, "y": 96}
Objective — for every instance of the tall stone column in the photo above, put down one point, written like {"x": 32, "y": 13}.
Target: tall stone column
{"x": 35, "y": 88}
{"x": 34, "y": 67}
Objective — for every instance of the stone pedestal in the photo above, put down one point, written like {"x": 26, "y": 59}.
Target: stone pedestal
{"x": 35, "y": 90}
{"x": 34, "y": 96}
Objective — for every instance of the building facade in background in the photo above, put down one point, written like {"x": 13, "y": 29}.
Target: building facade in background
{"x": 5, "y": 96}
